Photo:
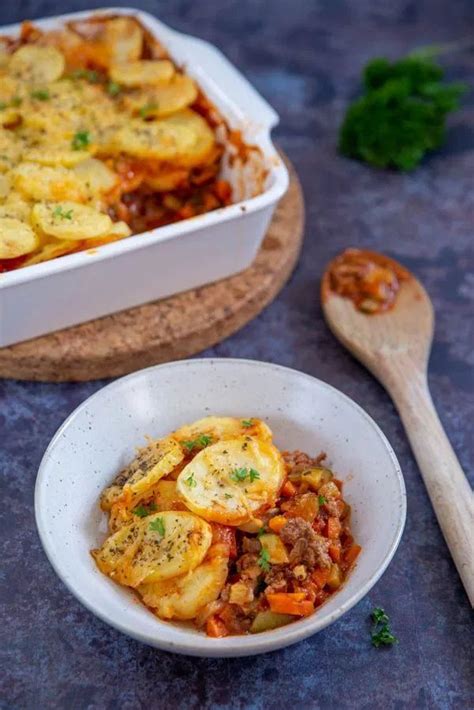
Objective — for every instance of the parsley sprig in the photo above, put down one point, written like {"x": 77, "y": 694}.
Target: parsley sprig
{"x": 148, "y": 109}
{"x": 241, "y": 474}
{"x": 402, "y": 113}
{"x": 200, "y": 442}
{"x": 41, "y": 94}
{"x": 143, "y": 510}
{"x": 264, "y": 560}
{"x": 157, "y": 525}
{"x": 60, "y": 213}
{"x": 191, "y": 481}
{"x": 247, "y": 423}
{"x": 81, "y": 140}
{"x": 381, "y": 634}
{"x": 322, "y": 500}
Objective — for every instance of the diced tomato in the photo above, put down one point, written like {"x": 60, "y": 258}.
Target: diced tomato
{"x": 215, "y": 627}
{"x": 288, "y": 489}
{"x": 225, "y": 535}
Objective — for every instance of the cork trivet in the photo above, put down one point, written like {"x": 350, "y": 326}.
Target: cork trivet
{"x": 171, "y": 328}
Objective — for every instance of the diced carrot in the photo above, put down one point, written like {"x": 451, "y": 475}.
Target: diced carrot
{"x": 215, "y": 627}
{"x": 334, "y": 528}
{"x": 335, "y": 551}
{"x": 277, "y": 523}
{"x": 320, "y": 577}
{"x": 288, "y": 489}
{"x": 352, "y": 554}
{"x": 281, "y": 603}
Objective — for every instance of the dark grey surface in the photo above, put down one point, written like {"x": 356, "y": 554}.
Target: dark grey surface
{"x": 305, "y": 58}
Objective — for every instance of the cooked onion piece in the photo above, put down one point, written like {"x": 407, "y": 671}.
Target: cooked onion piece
{"x": 68, "y": 220}
{"x": 36, "y": 64}
{"x": 230, "y": 481}
{"x": 173, "y": 543}
{"x": 144, "y": 71}
{"x": 183, "y": 597}
{"x": 16, "y": 238}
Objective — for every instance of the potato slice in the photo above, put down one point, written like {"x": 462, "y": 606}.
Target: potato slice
{"x": 117, "y": 552}
{"x": 230, "y": 481}
{"x": 5, "y": 186}
{"x": 174, "y": 543}
{"x": 166, "y": 496}
{"x": 183, "y": 138}
{"x": 122, "y": 39}
{"x": 142, "y": 72}
{"x": 55, "y": 155}
{"x": 36, "y": 64}
{"x": 220, "y": 428}
{"x": 96, "y": 175}
{"x": 16, "y": 238}
{"x": 51, "y": 251}
{"x": 159, "y": 101}
{"x": 168, "y": 179}
{"x": 68, "y": 220}
{"x": 42, "y": 182}
{"x": 15, "y": 207}
{"x": 183, "y": 597}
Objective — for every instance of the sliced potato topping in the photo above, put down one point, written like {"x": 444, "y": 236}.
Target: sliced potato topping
{"x": 143, "y": 71}
{"x": 42, "y": 182}
{"x": 115, "y": 555}
{"x": 229, "y": 481}
{"x": 122, "y": 40}
{"x": 174, "y": 543}
{"x": 163, "y": 100}
{"x": 37, "y": 64}
{"x": 68, "y": 220}
{"x": 220, "y": 428}
{"x": 183, "y": 597}
{"x": 16, "y": 238}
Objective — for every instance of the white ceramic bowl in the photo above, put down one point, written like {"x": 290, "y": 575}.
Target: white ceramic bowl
{"x": 303, "y": 412}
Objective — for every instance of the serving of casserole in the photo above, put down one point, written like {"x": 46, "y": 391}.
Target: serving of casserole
{"x": 126, "y": 173}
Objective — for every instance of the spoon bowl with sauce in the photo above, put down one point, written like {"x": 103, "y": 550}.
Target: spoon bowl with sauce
{"x": 384, "y": 317}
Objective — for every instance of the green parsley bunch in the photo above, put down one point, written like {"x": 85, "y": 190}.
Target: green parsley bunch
{"x": 402, "y": 114}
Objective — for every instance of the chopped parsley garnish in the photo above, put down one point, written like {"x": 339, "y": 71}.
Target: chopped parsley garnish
{"x": 41, "y": 94}
{"x": 401, "y": 114}
{"x": 381, "y": 633}
{"x": 261, "y": 531}
{"x": 88, "y": 74}
{"x": 247, "y": 423}
{"x": 201, "y": 441}
{"x": 191, "y": 481}
{"x": 158, "y": 526}
{"x": 264, "y": 560}
{"x": 113, "y": 89}
{"x": 143, "y": 510}
{"x": 322, "y": 500}
{"x": 240, "y": 474}
{"x": 148, "y": 109}
{"x": 81, "y": 140}
{"x": 228, "y": 495}
{"x": 60, "y": 213}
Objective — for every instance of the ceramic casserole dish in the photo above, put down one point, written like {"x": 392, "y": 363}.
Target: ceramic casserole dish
{"x": 77, "y": 287}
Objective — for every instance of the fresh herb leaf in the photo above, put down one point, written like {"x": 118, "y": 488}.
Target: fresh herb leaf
{"x": 322, "y": 500}
{"x": 157, "y": 525}
{"x": 247, "y": 423}
{"x": 41, "y": 94}
{"x": 264, "y": 560}
{"x": 238, "y": 474}
{"x": 113, "y": 89}
{"x": 228, "y": 495}
{"x": 261, "y": 531}
{"x": 88, "y": 74}
{"x": 253, "y": 475}
{"x": 148, "y": 109}
{"x": 143, "y": 510}
{"x": 201, "y": 441}
{"x": 81, "y": 140}
{"x": 381, "y": 634}
{"x": 60, "y": 213}
{"x": 402, "y": 114}
{"x": 191, "y": 481}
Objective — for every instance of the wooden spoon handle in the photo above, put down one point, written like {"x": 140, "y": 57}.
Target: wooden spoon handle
{"x": 448, "y": 487}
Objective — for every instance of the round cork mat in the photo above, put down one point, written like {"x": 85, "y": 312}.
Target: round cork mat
{"x": 171, "y": 328}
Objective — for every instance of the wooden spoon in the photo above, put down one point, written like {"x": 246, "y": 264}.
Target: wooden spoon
{"x": 395, "y": 346}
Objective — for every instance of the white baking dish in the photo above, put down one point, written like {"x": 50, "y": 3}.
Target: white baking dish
{"x": 72, "y": 289}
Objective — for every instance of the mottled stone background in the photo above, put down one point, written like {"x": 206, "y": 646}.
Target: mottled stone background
{"x": 305, "y": 57}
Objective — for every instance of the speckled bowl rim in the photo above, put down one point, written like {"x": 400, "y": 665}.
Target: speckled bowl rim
{"x": 230, "y": 646}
